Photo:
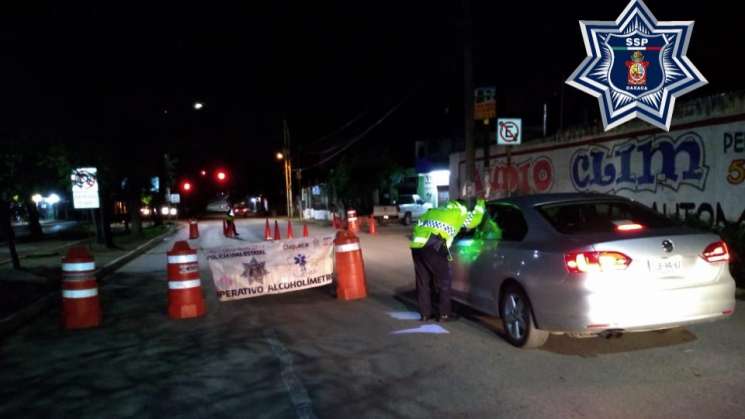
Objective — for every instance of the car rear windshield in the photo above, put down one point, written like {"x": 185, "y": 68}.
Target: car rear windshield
{"x": 601, "y": 216}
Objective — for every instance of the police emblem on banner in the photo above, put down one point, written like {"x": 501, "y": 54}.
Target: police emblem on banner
{"x": 636, "y": 66}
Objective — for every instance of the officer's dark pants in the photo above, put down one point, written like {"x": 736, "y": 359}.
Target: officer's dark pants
{"x": 432, "y": 267}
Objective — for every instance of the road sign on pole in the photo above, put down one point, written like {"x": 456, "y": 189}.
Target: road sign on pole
{"x": 509, "y": 131}
{"x": 85, "y": 188}
{"x": 485, "y": 104}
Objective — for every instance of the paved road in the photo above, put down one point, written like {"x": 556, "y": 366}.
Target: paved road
{"x": 305, "y": 354}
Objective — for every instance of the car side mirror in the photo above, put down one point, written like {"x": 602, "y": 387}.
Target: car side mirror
{"x": 420, "y": 202}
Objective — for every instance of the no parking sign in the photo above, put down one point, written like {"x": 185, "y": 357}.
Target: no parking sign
{"x": 509, "y": 131}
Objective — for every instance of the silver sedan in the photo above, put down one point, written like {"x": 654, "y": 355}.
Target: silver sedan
{"x": 587, "y": 265}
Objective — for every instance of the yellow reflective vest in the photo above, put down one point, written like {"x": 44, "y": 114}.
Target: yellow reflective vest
{"x": 446, "y": 222}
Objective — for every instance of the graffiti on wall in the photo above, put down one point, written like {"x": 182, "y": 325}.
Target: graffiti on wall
{"x": 533, "y": 175}
{"x": 641, "y": 165}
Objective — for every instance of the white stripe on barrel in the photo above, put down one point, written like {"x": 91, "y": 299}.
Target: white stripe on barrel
{"x": 79, "y": 267}
{"x": 87, "y": 293}
{"x": 182, "y": 285}
{"x": 183, "y": 258}
{"x": 348, "y": 247}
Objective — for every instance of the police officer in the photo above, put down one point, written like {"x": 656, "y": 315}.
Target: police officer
{"x": 230, "y": 220}
{"x": 430, "y": 249}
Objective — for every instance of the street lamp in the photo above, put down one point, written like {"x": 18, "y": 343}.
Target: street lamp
{"x": 198, "y": 105}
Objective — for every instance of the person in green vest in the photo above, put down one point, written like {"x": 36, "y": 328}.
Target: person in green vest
{"x": 430, "y": 248}
{"x": 230, "y": 221}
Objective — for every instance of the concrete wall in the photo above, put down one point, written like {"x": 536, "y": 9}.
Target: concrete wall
{"x": 697, "y": 168}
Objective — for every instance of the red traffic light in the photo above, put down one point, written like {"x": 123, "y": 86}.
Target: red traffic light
{"x": 186, "y": 186}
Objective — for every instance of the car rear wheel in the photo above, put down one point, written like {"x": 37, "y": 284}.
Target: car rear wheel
{"x": 407, "y": 219}
{"x": 517, "y": 320}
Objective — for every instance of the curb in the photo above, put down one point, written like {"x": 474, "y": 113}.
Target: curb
{"x": 18, "y": 319}
{"x": 64, "y": 246}
{"x": 117, "y": 263}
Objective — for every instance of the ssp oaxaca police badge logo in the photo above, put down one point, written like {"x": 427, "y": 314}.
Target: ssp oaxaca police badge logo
{"x": 636, "y": 66}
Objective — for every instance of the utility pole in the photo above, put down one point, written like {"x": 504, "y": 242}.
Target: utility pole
{"x": 468, "y": 102}
{"x": 545, "y": 118}
{"x": 287, "y": 167}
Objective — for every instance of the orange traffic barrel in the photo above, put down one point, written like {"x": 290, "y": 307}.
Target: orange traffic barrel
{"x": 185, "y": 299}
{"x": 81, "y": 307}
{"x": 267, "y": 231}
{"x": 350, "y": 268}
{"x": 372, "y": 229}
{"x": 193, "y": 230}
{"x": 352, "y": 221}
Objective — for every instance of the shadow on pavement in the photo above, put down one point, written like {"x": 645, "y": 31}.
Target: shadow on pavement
{"x": 565, "y": 345}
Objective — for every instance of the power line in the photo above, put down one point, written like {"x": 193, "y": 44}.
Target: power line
{"x": 337, "y": 131}
{"x": 362, "y": 134}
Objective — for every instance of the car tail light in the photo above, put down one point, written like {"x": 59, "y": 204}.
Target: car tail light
{"x": 716, "y": 252}
{"x": 582, "y": 262}
{"x": 629, "y": 227}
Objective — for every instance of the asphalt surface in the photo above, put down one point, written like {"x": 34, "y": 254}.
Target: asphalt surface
{"x": 306, "y": 354}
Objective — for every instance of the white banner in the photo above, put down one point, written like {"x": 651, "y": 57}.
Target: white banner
{"x": 272, "y": 267}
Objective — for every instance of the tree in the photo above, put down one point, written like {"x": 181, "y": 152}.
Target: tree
{"x": 26, "y": 166}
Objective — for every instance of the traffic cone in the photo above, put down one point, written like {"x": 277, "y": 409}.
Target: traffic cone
{"x": 277, "y": 236}
{"x": 305, "y": 230}
{"x": 337, "y": 222}
{"x": 352, "y": 221}
{"x": 372, "y": 229}
{"x": 289, "y": 229}
{"x": 193, "y": 230}
{"x": 350, "y": 267}
{"x": 267, "y": 231}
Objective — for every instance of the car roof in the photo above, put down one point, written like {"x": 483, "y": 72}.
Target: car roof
{"x": 553, "y": 198}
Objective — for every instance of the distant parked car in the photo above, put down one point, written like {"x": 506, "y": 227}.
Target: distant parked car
{"x": 385, "y": 213}
{"x": 219, "y": 205}
{"x": 411, "y": 207}
{"x": 241, "y": 210}
{"x": 587, "y": 265}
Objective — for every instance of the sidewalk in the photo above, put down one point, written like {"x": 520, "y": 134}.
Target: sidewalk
{"x": 26, "y": 292}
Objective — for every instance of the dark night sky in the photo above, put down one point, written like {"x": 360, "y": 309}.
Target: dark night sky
{"x": 85, "y": 71}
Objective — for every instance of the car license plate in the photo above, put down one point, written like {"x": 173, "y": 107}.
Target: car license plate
{"x": 666, "y": 266}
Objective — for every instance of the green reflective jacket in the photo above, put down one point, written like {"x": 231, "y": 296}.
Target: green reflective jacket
{"x": 446, "y": 222}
